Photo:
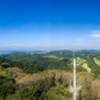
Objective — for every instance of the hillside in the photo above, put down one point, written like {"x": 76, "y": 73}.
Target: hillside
{"x": 46, "y": 85}
{"x": 48, "y": 76}
{"x": 87, "y": 61}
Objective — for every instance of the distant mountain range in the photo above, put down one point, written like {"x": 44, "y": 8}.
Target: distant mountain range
{"x": 40, "y": 51}
{"x": 24, "y": 51}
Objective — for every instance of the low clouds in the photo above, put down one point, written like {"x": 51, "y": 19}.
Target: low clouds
{"x": 95, "y": 34}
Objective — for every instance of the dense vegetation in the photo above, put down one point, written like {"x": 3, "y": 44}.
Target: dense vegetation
{"x": 48, "y": 76}
{"x": 31, "y": 63}
{"x": 87, "y": 61}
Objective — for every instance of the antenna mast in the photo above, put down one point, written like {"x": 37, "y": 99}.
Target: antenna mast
{"x": 74, "y": 78}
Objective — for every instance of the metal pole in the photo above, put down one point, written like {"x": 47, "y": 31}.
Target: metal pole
{"x": 74, "y": 79}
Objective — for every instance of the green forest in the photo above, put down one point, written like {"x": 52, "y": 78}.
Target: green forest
{"x": 48, "y": 75}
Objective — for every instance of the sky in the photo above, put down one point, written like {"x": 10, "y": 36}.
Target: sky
{"x": 49, "y": 24}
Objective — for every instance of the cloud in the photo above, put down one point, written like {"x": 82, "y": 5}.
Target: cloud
{"x": 95, "y": 34}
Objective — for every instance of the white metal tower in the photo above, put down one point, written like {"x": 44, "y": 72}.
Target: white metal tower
{"x": 74, "y": 79}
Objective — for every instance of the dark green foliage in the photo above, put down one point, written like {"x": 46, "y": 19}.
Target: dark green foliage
{"x": 31, "y": 63}
{"x": 29, "y": 93}
{"x": 5, "y": 65}
{"x": 58, "y": 93}
{"x": 7, "y": 87}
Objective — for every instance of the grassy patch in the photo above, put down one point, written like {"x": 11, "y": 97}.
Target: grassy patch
{"x": 80, "y": 61}
{"x": 2, "y": 71}
{"x": 55, "y": 57}
{"x": 97, "y": 61}
{"x": 85, "y": 66}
